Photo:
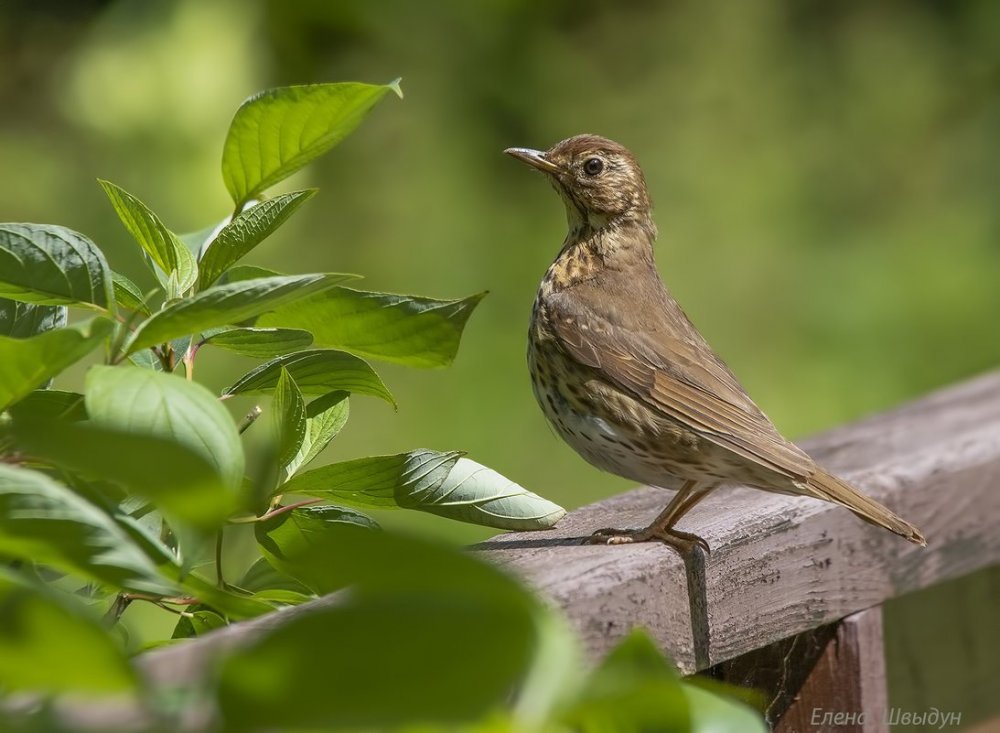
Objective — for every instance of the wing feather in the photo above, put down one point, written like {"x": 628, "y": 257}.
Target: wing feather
{"x": 664, "y": 369}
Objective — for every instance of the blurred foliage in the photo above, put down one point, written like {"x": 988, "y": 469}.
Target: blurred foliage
{"x": 429, "y": 638}
{"x": 826, "y": 178}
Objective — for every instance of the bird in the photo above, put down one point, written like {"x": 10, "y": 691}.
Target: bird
{"x": 626, "y": 379}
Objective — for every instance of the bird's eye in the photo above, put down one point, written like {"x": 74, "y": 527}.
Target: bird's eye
{"x": 593, "y": 166}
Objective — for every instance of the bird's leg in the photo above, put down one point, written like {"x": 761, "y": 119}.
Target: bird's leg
{"x": 662, "y": 528}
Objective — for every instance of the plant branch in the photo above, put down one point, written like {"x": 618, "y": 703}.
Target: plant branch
{"x": 220, "y": 579}
{"x": 165, "y": 354}
{"x": 250, "y": 419}
{"x": 122, "y": 336}
{"x": 118, "y": 607}
{"x": 275, "y": 512}
{"x": 174, "y": 601}
{"x": 188, "y": 360}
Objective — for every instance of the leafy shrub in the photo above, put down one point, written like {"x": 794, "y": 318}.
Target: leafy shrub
{"x": 124, "y": 493}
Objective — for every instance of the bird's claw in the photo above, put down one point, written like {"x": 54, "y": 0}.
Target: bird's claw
{"x": 683, "y": 542}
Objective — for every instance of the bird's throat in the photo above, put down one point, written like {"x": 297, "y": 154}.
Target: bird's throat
{"x": 619, "y": 244}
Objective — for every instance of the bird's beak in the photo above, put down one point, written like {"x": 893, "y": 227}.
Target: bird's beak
{"x": 534, "y": 158}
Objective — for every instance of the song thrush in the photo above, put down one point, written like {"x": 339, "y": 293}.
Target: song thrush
{"x": 627, "y": 380}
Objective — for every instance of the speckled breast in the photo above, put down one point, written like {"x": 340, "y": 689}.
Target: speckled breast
{"x": 609, "y": 429}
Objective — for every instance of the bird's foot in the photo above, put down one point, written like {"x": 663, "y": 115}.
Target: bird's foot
{"x": 683, "y": 542}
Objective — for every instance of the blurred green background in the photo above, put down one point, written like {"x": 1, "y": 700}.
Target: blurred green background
{"x": 826, "y": 178}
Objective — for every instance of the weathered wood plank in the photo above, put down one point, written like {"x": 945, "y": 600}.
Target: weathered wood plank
{"x": 605, "y": 594}
{"x": 783, "y": 565}
{"x": 845, "y": 690}
{"x": 828, "y": 679}
{"x": 777, "y": 671}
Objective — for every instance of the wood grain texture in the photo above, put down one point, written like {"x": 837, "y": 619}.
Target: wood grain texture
{"x": 783, "y": 565}
{"x": 604, "y": 594}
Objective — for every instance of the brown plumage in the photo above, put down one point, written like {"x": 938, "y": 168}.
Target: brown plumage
{"x": 627, "y": 380}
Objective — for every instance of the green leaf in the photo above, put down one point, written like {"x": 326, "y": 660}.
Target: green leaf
{"x": 422, "y": 601}
{"x": 95, "y": 489}
{"x": 477, "y": 494}
{"x": 263, "y": 576}
{"x": 233, "y": 605}
{"x": 272, "y": 683}
{"x": 714, "y": 713}
{"x": 29, "y": 363}
{"x": 226, "y": 304}
{"x": 283, "y": 597}
{"x": 556, "y": 674}
{"x": 316, "y": 371}
{"x": 44, "y": 629}
{"x": 45, "y": 522}
{"x": 299, "y": 542}
{"x": 634, "y": 688}
{"x": 325, "y": 417}
{"x": 289, "y": 418}
{"x": 239, "y": 273}
{"x": 50, "y": 404}
{"x": 52, "y": 265}
{"x": 260, "y": 342}
{"x": 161, "y": 244}
{"x": 381, "y": 482}
{"x": 181, "y": 480}
{"x": 246, "y": 231}
{"x": 278, "y": 131}
{"x": 438, "y": 483}
{"x": 146, "y": 359}
{"x": 166, "y": 406}
{"x": 404, "y": 329}
{"x": 196, "y": 623}
{"x": 24, "y": 320}
{"x": 635, "y": 657}
{"x": 128, "y": 295}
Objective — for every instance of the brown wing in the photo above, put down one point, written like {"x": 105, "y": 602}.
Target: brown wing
{"x": 661, "y": 360}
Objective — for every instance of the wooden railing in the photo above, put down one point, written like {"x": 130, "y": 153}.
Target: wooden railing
{"x": 758, "y": 610}
{"x": 790, "y": 598}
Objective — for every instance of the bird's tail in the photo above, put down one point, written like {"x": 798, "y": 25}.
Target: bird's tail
{"x": 826, "y": 486}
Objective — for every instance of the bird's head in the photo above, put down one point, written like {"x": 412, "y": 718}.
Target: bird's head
{"x": 598, "y": 179}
